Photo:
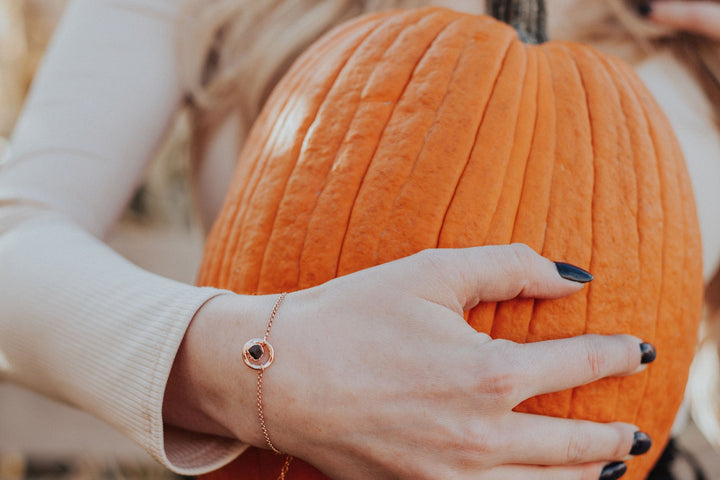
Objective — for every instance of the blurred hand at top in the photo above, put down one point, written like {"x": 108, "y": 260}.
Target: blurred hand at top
{"x": 701, "y": 17}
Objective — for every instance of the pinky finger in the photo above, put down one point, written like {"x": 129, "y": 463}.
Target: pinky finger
{"x": 588, "y": 471}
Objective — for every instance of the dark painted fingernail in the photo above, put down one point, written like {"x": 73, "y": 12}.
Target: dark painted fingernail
{"x": 644, "y": 9}
{"x": 613, "y": 471}
{"x": 641, "y": 443}
{"x": 573, "y": 273}
{"x": 647, "y": 353}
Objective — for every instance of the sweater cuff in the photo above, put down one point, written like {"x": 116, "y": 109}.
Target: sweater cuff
{"x": 182, "y": 451}
{"x": 85, "y": 326}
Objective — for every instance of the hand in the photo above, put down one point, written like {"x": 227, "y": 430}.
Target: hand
{"x": 377, "y": 374}
{"x": 701, "y": 17}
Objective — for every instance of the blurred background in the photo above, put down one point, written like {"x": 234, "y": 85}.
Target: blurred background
{"x": 41, "y": 439}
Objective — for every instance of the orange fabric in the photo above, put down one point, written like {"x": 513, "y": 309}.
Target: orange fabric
{"x": 429, "y": 128}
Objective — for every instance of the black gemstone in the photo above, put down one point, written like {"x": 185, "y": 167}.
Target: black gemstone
{"x": 256, "y": 351}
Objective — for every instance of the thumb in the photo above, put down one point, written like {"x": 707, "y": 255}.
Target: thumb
{"x": 468, "y": 276}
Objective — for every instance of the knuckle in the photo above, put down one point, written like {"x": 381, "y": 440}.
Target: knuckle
{"x": 432, "y": 263}
{"x": 523, "y": 253}
{"x": 430, "y": 258}
{"x": 522, "y": 257}
{"x": 578, "y": 448}
{"x": 499, "y": 386}
{"x": 520, "y": 266}
{"x": 597, "y": 359}
{"x": 501, "y": 380}
{"x": 477, "y": 442}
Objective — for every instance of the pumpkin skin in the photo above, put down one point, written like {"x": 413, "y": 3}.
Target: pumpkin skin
{"x": 408, "y": 130}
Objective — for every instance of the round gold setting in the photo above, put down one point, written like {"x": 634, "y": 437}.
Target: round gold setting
{"x": 258, "y": 354}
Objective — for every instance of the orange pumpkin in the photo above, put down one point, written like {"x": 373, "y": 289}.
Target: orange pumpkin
{"x": 426, "y": 128}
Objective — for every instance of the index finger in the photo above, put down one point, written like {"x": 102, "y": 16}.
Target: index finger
{"x": 461, "y": 278}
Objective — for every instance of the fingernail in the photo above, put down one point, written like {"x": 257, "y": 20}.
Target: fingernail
{"x": 573, "y": 273}
{"x": 641, "y": 443}
{"x": 613, "y": 471}
{"x": 647, "y": 353}
{"x": 644, "y": 9}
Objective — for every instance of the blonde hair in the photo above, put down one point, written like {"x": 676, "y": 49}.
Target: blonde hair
{"x": 243, "y": 47}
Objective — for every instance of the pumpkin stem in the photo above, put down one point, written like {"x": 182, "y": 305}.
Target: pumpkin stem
{"x": 526, "y": 16}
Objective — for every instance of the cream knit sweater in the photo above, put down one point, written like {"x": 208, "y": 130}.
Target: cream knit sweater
{"x": 78, "y": 322}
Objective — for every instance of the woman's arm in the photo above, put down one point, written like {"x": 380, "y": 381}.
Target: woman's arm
{"x": 79, "y": 323}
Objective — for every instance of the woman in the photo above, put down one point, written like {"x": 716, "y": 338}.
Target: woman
{"x": 159, "y": 360}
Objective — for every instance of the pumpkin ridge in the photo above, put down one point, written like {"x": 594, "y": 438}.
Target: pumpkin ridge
{"x": 367, "y": 23}
{"x": 418, "y": 177}
{"x": 344, "y": 261}
{"x": 543, "y": 63}
{"x": 217, "y": 245}
{"x": 623, "y": 383}
{"x": 447, "y": 237}
{"x": 260, "y": 148}
{"x": 663, "y": 366}
{"x": 648, "y": 374}
{"x": 492, "y": 235}
{"x": 530, "y": 82}
{"x": 513, "y": 43}
{"x": 391, "y": 211}
{"x": 326, "y": 234}
{"x": 283, "y": 256}
{"x": 568, "y": 231}
{"x": 615, "y": 215}
{"x": 513, "y": 318}
{"x": 611, "y": 384}
{"x": 588, "y": 291}
{"x": 636, "y": 383}
{"x": 483, "y": 316}
{"x": 257, "y": 240}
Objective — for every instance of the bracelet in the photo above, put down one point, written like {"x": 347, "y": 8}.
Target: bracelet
{"x": 259, "y": 354}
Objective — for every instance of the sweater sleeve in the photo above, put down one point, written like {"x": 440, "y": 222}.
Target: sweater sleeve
{"x": 80, "y": 323}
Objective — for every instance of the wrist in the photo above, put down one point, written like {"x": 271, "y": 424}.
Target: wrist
{"x": 210, "y": 389}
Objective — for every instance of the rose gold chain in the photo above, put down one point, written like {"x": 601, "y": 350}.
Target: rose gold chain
{"x": 261, "y": 415}
{"x": 285, "y": 467}
{"x": 274, "y": 313}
